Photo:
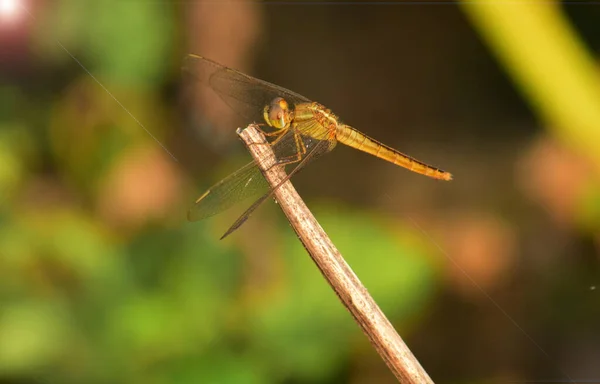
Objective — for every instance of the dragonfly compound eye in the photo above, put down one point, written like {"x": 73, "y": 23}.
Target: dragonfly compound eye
{"x": 277, "y": 114}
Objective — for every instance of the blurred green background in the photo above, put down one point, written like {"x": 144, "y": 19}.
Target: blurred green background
{"x": 491, "y": 278}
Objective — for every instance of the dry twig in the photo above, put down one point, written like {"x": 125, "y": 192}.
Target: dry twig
{"x": 332, "y": 265}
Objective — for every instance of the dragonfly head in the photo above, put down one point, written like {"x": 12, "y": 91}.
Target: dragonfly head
{"x": 278, "y": 114}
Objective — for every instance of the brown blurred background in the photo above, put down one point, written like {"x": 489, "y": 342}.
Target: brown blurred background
{"x": 490, "y": 278}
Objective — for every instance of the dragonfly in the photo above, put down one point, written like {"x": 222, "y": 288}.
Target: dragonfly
{"x": 298, "y": 130}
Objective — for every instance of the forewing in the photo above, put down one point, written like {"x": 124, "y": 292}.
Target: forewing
{"x": 245, "y": 94}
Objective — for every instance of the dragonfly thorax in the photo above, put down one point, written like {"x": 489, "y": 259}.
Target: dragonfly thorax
{"x": 278, "y": 114}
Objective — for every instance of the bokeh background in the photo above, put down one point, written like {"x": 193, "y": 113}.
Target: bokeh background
{"x": 491, "y": 278}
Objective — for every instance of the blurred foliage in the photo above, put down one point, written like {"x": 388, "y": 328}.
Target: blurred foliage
{"x": 126, "y": 41}
{"x": 88, "y": 295}
{"x": 102, "y": 281}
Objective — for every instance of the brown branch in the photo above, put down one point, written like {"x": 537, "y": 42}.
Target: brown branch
{"x": 332, "y": 265}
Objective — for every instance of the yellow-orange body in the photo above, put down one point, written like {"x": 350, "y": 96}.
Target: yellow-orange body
{"x": 330, "y": 128}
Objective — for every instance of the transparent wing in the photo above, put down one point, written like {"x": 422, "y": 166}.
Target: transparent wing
{"x": 317, "y": 150}
{"x": 249, "y": 181}
{"x": 245, "y": 182}
{"x": 245, "y": 94}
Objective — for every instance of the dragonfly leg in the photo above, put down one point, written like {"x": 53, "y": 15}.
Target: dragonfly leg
{"x": 283, "y": 161}
{"x": 300, "y": 147}
{"x": 274, "y": 133}
{"x": 287, "y": 160}
{"x": 299, "y": 143}
{"x": 301, "y": 151}
{"x": 280, "y": 132}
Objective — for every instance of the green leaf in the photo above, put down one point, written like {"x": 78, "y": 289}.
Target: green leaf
{"x": 32, "y": 334}
{"x": 129, "y": 40}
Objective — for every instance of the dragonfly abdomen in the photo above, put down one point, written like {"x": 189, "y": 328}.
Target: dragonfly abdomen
{"x": 355, "y": 139}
